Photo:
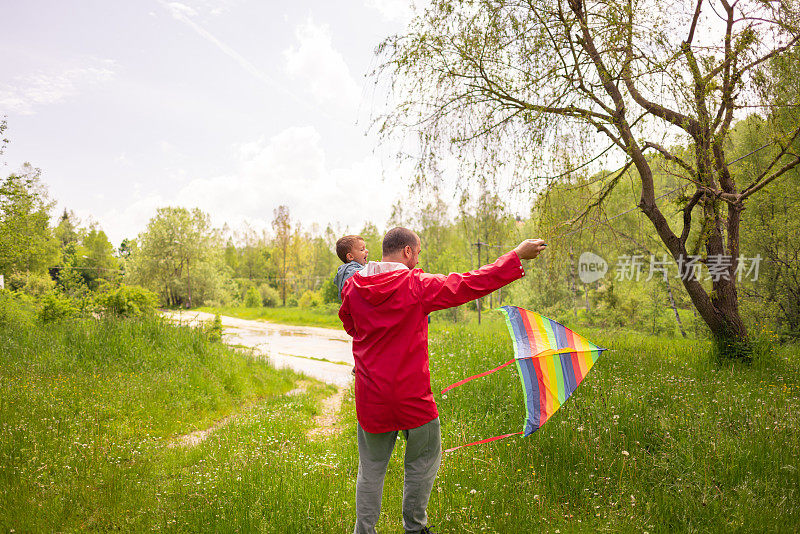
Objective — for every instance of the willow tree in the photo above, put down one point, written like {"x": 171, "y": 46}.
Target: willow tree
{"x": 518, "y": 82}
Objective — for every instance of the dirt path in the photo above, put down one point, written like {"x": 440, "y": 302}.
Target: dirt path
{"x": 320, "y": 353}
{"x": 197, "y": 437}
{"x": 325, "y": 423}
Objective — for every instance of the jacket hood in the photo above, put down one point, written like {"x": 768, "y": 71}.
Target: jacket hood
{"x": 345, "y": 271}
{"x": 378, "y": 281}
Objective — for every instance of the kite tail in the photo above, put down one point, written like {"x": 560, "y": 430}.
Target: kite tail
{"x": 487, "y": 440}
{"x": 473, "y": 377}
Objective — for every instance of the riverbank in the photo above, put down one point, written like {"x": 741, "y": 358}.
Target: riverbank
{"x": 323, "y": 317}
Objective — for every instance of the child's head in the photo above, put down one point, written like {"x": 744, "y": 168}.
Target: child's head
{"x": 352, "y": 248}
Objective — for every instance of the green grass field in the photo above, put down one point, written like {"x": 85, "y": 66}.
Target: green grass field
{"x": 292, "y": 315}
{"x": 656, "y": 439}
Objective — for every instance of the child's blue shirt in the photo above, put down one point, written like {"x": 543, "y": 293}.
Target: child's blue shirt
{"x": 344, "y": 272}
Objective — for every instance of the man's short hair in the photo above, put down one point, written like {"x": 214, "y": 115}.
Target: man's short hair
{"x": 345, "y": 245}
{"x": 397, "y": 239}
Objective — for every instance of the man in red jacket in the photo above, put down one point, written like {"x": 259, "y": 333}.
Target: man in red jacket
{"x": 385, "y": 307}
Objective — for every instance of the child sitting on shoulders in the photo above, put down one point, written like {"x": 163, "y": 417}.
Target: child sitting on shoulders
{"x": 352, "y": 250}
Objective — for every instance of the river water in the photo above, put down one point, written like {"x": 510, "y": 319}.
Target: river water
{"x": 321, "y": 353}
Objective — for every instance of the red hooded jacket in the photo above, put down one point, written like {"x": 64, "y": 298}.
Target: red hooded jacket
{"x": 386, "y": 314}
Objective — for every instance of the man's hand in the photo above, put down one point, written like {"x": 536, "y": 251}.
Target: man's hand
{"x": 530, "y": 248}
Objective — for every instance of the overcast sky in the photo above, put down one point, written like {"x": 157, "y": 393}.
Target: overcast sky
{"x": 233, "y": 106}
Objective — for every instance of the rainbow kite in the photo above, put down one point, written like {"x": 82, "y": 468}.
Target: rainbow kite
{"x": 551, "y": 359}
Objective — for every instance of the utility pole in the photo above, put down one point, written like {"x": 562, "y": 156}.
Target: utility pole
{"x": 480, "y": 244}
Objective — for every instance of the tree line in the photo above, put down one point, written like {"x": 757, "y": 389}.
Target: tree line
{"x": 670, "y": 134}
{"x": 186, "y": 262}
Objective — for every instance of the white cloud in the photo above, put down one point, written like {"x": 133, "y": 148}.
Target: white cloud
{"x": 185, "y": 14}
{"x": 119, "y": 224}
{"x": 194, "y": 8}
{"x": 24, "y": 94}
{"x": 291, "y": 168}
{"x": 401, "y": 10}
{"x": 321, "y": 68}
{"x": 180, "y": 10}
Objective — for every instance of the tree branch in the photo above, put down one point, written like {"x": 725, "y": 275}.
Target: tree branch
{"x": 687, "y": 216}
{"x": 757, "y": 183}
{"x": 694, "y": 22}
{"x": 670, "y": 156}
{"x": 603, "y": 194}
{"x": 778, "y": 174}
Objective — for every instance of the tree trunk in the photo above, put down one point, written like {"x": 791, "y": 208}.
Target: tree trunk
{"x": 719, "y": 309}
{"x": 586, "y": 295}
{"x": 479, "y": 266}
{"x": 189, "y": 284}
{"x": 284, "y": 275}
{"x": 674, "y": 308}
{"x": 572, "y": 285}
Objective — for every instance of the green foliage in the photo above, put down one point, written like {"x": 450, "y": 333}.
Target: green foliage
{"x": 72, "y": 282}
{"x": 330, "y": 293}
{"x": 56, "y": 307}
{"x": 373, "y": 238}
{"x": 179, "y": 257}
{"x": 99, "y": 262}
{"x": 27, "y": 243}
{"x": 639, "y": 425}
{"x": 656, "y": 438}
{"x": 510, "y": 88}
{"x": 17, "y": 310}
{"x": 31, "y": 283}
{"x": 66, "y": 231}
{"x": 269, "y": 295}
{"x": 282, "y": 225}
{"x": 91, "y": 412}
{"x": 129, "y": 301}
{"x": 87, "y": 261}
{"x": 771, "y": 229}
{"x": 214, "y": 329}
{"x": 252, "y": 298}
{"x": 310, "y": 299}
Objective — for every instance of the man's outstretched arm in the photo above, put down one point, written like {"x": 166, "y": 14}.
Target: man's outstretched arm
{"x": 441, "y": 291}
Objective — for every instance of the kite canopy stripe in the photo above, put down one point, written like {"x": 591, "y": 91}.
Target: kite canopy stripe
{"x": 552, "y": 360}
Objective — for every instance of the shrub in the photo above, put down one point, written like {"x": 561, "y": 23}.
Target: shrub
{"x": 16, "y": 310}
{"x": 330, "y": 293}
{"x": 310, "y": 299}
{"x": 252, "y": 299}
{"x": 56, "y": 307}
{"x": 39, "y": 284}
{"x": 269, "y": 295}
{"x": 214, "y": 329}
{"x": 129, "y": 301}
{"x": 33, "y": 284}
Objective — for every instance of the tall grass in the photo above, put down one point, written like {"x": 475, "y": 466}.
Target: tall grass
{"x": 88, "y": 407}
{"x": 656, "y": 439}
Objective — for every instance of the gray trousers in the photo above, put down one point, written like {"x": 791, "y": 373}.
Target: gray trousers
{"x": 422, "y": 459}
